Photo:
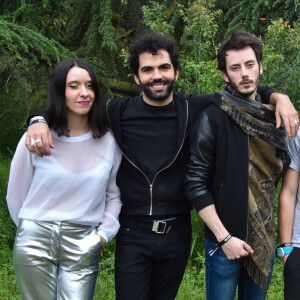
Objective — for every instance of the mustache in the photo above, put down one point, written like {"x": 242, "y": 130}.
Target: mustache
{"x": 246, "y": 81}
{"x": 158, "y": 81}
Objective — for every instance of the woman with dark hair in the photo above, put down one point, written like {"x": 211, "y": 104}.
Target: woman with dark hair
{"x": 58, "y": 201}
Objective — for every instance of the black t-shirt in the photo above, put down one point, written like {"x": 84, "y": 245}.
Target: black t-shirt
{"x": 150, "y": 133}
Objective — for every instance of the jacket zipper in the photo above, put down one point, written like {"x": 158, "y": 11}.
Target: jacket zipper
{"x": 151, "y": 183}
{"x": 151, "y": 186}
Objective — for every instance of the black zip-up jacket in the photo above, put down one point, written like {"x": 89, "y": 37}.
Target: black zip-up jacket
{"x": 164, "y": 195}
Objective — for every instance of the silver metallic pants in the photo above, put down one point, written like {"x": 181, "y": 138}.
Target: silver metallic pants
{"x": 56, "y": 260}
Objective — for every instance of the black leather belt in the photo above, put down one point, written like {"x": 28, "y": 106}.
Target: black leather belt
{"x": 157, "y": 226}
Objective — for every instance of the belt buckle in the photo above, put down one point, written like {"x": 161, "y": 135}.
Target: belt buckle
{"x": 156, "y": 225}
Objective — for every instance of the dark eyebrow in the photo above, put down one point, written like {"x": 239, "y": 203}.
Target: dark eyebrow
{"x": 165, "y": 65}
{"x": 251, "y": 60}
{"x": 146, "y": 68}
{"x": 150, "y": 67}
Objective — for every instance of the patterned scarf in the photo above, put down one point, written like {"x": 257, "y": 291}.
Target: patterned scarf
{"x": 267, "y": 160}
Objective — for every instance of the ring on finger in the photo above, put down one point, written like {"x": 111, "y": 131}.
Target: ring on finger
{"x": 296, "y": 122}
{"x": 35, "y": 141}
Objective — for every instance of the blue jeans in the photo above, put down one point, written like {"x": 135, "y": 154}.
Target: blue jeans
{"x": 224, "y": 275}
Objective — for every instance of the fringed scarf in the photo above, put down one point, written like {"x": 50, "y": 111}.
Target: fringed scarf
{"x": 267, "y": 160}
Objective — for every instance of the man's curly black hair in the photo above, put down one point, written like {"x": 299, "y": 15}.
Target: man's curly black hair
{"x": 152, "y": 42}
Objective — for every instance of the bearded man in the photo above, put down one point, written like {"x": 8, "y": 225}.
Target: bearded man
{"x": 237, "y": 159}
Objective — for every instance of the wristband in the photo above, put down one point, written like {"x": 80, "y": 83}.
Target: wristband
{"x": 36, "y": 118}
{"x": 216, "y": 247}
{"x": 37, "y": 121}
{"x": 284, "y": 245}
{"x": 283, "y": 251}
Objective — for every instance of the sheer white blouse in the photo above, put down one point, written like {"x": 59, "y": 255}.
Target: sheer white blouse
{"x": 77, "y": 183}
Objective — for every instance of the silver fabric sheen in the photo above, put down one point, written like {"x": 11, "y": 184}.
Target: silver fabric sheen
{"x": 56, "y": 260}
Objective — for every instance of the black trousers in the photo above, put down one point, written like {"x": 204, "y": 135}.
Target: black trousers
{"x": 148, "y": 265}
{"x": 292, "y": 276}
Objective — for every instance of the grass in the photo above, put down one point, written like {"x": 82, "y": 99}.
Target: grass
{"x": 192, "y": 286}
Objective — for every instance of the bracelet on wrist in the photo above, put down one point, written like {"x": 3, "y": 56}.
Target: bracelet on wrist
{"x": 37, "y": 121}
{"x": 216, "y": 247}
{"x": 284, "y": 249}
{"x": 36, "y": 118}
{"x": 285, "y": 245}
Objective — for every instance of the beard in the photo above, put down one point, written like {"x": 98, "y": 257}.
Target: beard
{"x": 236, "y": 87}
{"x": 158, "y": 95}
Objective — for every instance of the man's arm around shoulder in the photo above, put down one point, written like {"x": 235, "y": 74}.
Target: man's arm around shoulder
{"x": 40, "y": 132}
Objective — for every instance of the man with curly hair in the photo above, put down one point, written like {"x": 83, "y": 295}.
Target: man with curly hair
{"x": 152, "y": 130}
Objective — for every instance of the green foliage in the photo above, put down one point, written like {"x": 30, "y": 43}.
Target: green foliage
{"x": 7, "y": 6}
{"x": 245, "y": 14}
{"x": 199, "y": 49}
{"x": 26, "y": 58}
{"x": 106, "y": 27}
{"x": 7, "y": 227}
{"x": 8, "y": 288}
{"x": 256, "y": 16}
{"x": 200, "y": 29}
{"x": 23, "y": 15}
{"x": 156, "y": 18}
{"x": 23, "y": 53}
{"x": 23, "y": 42}
{"x": 92, "y": 34}
{"x": 103, "y": 43}
{"x": 46, "y": 16}
{"x": 281, "y": 61}
{"x": 289, "y": 10}
{"x": 76, "y": 23}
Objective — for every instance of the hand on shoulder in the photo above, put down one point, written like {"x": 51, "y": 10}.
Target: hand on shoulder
{"x": 39, "y": 139}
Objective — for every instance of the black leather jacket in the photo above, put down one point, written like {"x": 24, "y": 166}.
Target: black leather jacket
{"x": 218, "y": 170}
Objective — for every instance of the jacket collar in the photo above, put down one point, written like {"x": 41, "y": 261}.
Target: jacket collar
{"x": 182, "y": 115}
{"x": 116, "y": 106}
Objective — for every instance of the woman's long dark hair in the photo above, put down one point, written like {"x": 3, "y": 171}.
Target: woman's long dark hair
{"x": 57, "y": 101}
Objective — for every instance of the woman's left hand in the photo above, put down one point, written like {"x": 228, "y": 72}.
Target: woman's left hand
{"x": 103, "y": 241}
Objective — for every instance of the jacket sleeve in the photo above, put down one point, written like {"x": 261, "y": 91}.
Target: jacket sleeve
{"x": 43, "y": 113}
{"x": 200, "y": 102}
{"x": 201, "y": 167}
{"x": 265, "y": 92}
